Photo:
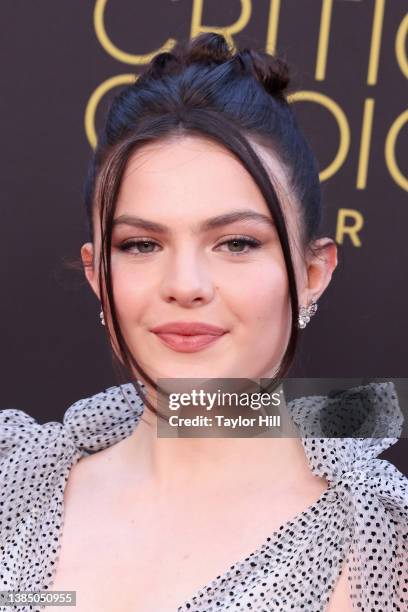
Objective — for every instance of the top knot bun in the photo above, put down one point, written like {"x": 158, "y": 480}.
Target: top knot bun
{"x": 212, "y": 48}
{"x": 271, "y": 71}
{"x": 208, "y": 48}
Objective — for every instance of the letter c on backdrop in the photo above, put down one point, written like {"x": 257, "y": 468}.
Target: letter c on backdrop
{"x": 113, "y": 50}
{"x": 96, "y": 96}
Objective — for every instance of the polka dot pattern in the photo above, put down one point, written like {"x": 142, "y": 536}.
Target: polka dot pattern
{"x": 362, "y": 516}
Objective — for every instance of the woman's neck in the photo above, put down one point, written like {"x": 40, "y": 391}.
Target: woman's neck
{"x": 210, "y": 459}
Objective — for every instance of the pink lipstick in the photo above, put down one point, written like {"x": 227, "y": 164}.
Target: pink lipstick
{"x": 188, "y": 336}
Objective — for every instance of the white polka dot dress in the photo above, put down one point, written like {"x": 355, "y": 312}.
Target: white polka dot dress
{"x": 362, "y": 516}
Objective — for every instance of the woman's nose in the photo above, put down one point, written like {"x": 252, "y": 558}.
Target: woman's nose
{"x": 187, "y": 279}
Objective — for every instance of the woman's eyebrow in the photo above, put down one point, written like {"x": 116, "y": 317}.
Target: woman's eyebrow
{"x": 208, "y": 224}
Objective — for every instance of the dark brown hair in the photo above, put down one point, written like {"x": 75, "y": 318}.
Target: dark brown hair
{"x": 204, "y": 88}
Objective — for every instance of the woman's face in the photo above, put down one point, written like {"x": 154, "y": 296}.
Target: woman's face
{"x": 186, "y": 272}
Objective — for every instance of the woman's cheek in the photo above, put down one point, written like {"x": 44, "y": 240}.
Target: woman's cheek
{"x": 265, "y": 289}
{"x": 269, "y": 310}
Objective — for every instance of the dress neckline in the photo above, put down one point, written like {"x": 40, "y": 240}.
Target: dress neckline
{"x": 304, "y": 516}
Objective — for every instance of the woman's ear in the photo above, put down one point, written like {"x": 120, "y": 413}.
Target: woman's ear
{"x": 321, "y": 263}
{"x": 89, "y": 269}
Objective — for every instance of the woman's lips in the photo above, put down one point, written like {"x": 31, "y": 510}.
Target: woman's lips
{"x": 188, "y": 344}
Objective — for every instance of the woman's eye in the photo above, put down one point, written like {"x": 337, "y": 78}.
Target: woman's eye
{"x": 143, "y": 246}
{"x": 237, "y": 242}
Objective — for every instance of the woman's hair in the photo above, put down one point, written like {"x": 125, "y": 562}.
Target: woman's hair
{"x": 204, "y": 88}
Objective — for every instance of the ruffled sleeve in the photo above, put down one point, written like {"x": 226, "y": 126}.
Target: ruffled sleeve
{"x": 35, "y": 462}
{"x": 32, "y": 458}
{"x": 105, "y": 418}
{"x": 373, "y": 490}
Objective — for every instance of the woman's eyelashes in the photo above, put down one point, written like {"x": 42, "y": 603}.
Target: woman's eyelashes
{"x": 143, "y": 245}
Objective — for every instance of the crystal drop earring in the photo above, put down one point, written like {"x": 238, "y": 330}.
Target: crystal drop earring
{"x": 305, "y": 314}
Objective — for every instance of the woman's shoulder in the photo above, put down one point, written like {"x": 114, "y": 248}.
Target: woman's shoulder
{"x": 348, "y": 428}
{"x": 24, "y": 440}
{"x": 104, "y": 418}
{"x": 343, "y": 434}
{"x": 36, "y": 458}
{"x": 33, "y": 459}
{"x": 88, "y": 424}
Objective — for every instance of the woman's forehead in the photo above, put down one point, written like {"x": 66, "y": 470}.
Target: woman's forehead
{"x": 193, "y": 169}
{"x": 193, "y": 177}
